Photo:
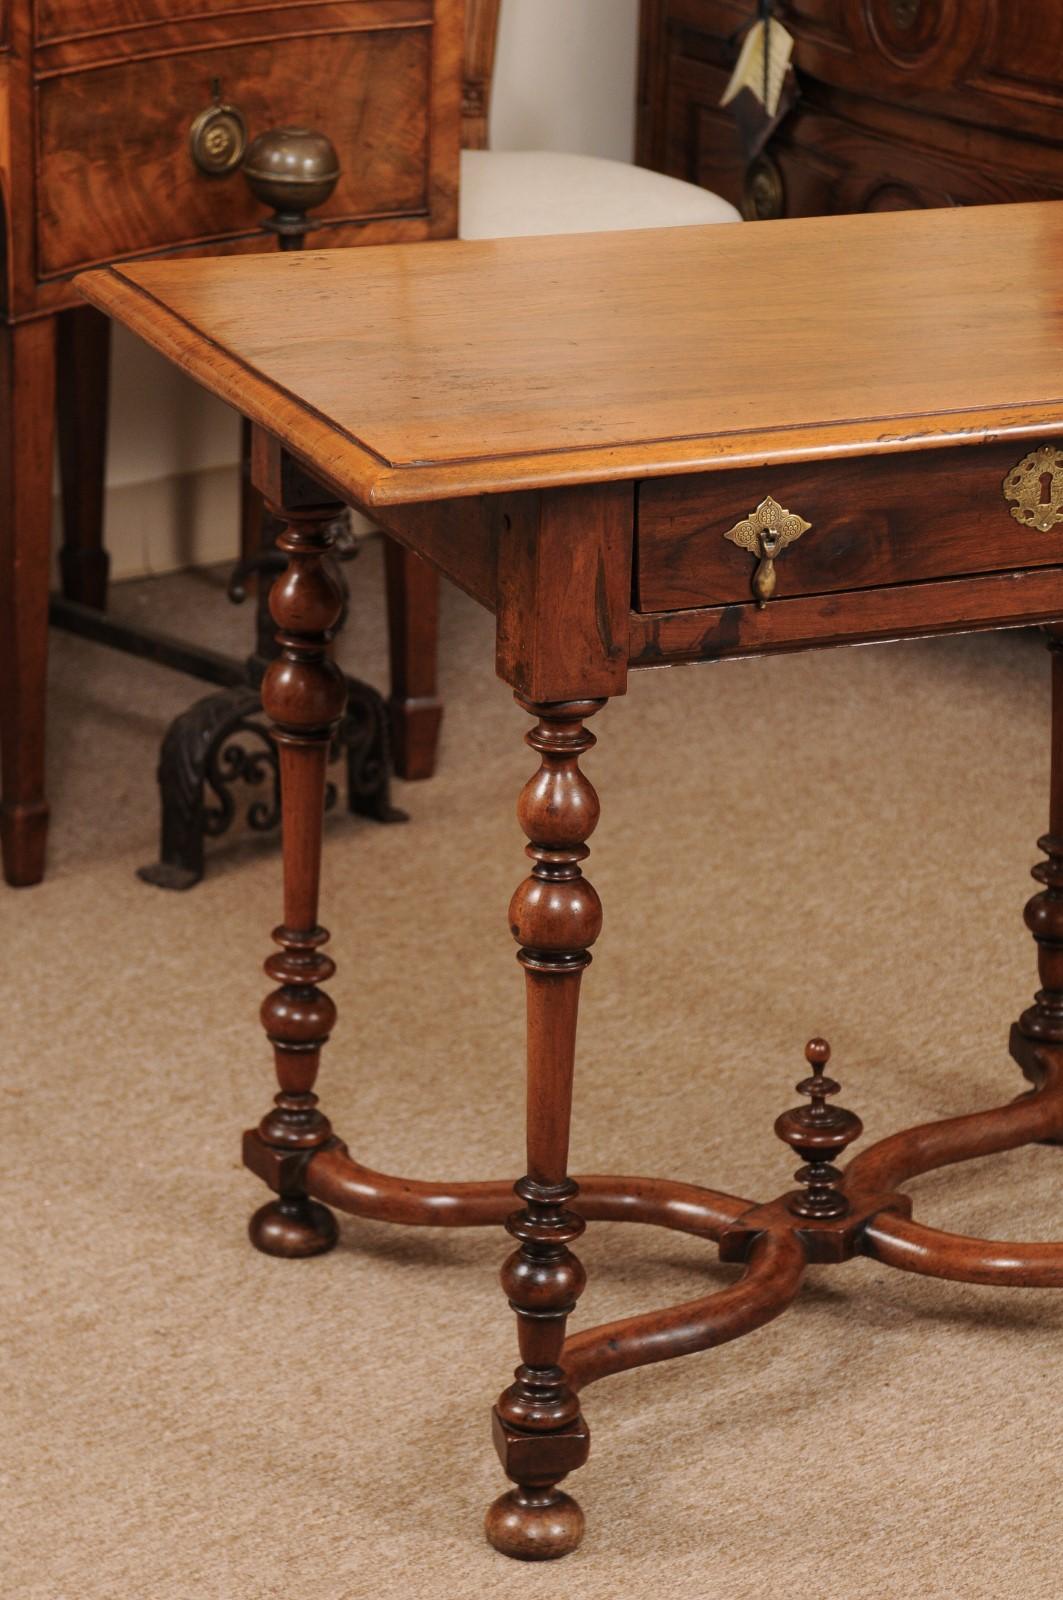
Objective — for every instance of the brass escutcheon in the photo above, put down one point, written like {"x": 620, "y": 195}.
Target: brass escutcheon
{"x": 766, "y": 533}
{"x": 1037, "y": 474}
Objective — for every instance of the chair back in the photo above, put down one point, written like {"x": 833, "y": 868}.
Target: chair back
{"x": 481, "y": 36}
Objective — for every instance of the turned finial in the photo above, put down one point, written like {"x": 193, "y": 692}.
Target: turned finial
{"x": 819, "y": 1133}
{"x": 293, "y": 170}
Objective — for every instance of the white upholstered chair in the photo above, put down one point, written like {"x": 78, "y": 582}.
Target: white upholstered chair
{"x": 504, "y": 194}
{"x": 510, "y": 193}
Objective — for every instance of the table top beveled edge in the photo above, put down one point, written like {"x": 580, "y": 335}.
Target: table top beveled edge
{"x": 371, "y": 481}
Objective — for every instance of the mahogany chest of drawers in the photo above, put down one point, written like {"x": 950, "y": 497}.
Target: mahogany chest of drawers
{"x": 98, "y": 99}
{"x": 121, "y": 129}
{"x": 904, "y": 103}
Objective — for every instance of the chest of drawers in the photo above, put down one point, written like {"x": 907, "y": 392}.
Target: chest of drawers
{"x": 904, "y": 103}
{"x": 98, "y": 101}
{"x": 121, "y": 125}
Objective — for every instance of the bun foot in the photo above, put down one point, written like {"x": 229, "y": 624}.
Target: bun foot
{"x": 534, "y": 1524}
{"x": 293, "y": 1228}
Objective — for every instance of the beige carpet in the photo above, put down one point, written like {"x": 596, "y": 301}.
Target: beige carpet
{"x": 833, "y": 843}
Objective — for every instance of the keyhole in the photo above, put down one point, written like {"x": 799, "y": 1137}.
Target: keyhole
{"x": 1046, "y": 481}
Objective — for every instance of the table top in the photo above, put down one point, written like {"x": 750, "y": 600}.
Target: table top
{"x": 420, "y": 372}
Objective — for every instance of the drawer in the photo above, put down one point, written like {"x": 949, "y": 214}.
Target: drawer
{"x": 893, "y": 520}
{"x": 115, "y": 176}
{"x": 62, "y": 19}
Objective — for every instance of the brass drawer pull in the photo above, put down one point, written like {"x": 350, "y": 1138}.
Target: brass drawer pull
{"x": 217, "y": 138}
{"x": 1026, "y": 484}
{"x": 766, "y": 533}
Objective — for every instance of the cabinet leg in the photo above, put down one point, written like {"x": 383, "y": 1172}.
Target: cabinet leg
{"x": 83, "y": 376}
{"x": 555, "y": 916}
{"x": 303, "y": 693}
{"x": 27, "y": 406}
{"x": 413, "y": 632}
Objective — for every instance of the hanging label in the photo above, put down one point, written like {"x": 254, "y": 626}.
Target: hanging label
{"x": 762, "y": 65}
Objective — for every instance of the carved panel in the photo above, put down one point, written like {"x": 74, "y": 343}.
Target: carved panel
{"x": 909, "y": 31}
{"x": 905, "y": 102}
{"x": 822, "y": 20}
{"x": 932, "y": 39}
{"x": 1021, "y": 61}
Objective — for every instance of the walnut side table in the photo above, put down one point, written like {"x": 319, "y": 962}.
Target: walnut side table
{"x": 848, "y": 436}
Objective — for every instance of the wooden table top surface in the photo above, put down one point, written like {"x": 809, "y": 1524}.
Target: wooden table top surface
{"x": 417, "y": 372}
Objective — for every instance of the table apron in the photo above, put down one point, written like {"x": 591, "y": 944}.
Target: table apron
{"x": 912, "y": 610}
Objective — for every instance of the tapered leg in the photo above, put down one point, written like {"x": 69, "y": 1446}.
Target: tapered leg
{"x": 83, "y": 374}
{"x": 27, "y": 407}
{"x": 252, "y": 509}
{"x": 413, "y": 637}
{"x": 555, "y": 916}
{"x": 303, "y": 693}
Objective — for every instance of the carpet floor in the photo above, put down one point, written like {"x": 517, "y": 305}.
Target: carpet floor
{"x": 831, "y": 843}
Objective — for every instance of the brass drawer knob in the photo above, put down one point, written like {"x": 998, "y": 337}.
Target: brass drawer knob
{"x": 1035, "y": 488}
{"x": 765, "y": 534}
{"x": 293, "y": 170}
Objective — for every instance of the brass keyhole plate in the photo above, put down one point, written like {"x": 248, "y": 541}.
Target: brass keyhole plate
{"x": 1035, "y": 488}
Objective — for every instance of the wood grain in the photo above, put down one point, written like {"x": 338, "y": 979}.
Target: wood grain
{"x": 104, "y": 195}
{"x": 958, "y": 104}
{"x": 564, "y": 591}
{"x": 61, "y": 18}
{"x": 172, "y": 28}
{"x": 481, "y": 37}
{"x": 27, "y": 410}
{"x": 858, "y": 331}
{"x": 894, "y": 519}
{"x": 952, "y": 605}
{"x": 96, "y": 103}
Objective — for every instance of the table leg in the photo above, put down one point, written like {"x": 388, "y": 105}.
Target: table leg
{"x": 27, "y": 409}
{"x": 1042, "y": 1023}
{"x": 555, "y": 916}
{"x": 83, "y": 374}
{"x": 303, "y": 694}
{"x": 413, "y": 642}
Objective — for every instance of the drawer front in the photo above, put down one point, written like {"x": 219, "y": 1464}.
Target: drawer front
{"x": 63, "y": 19}
{"x": 115, "y": 176}
{"x": 892, "y": 520}
{"x": 831, "y": 164}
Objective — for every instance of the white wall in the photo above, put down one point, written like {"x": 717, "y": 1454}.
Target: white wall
{"x": 565, "y": 80}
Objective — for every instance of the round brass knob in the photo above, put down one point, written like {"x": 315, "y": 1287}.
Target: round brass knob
{"x": 292, "y": 169}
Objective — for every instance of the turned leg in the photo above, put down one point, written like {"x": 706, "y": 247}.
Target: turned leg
{"x": 1042, "y": 1024}
{"x": 555, "y": 916}
{"x": 413, "y": 641}
{"x": 83, "y": 374}
{"x": 27, "y": 399}
{"x": 303, "y": 693}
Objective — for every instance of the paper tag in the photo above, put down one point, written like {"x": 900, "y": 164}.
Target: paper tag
{"x": 762, "y": 65}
